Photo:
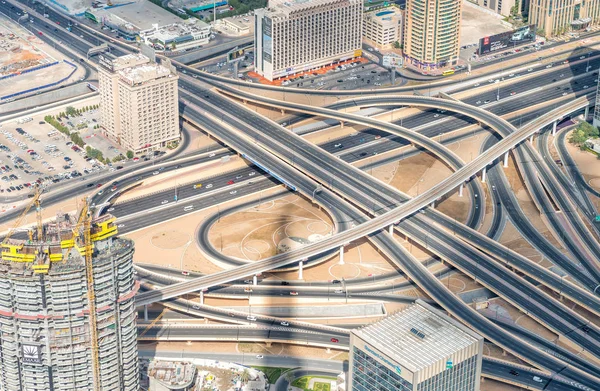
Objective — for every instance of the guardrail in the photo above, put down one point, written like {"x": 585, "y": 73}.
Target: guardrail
{"x": 45, "y": 85}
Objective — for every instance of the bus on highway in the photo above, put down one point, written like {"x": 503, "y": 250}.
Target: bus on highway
{"x": 448, "y": 72}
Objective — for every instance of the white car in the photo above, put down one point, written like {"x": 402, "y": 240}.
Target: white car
{"x": 284, "y": 323}
{"x": 259, "y": 356}
{"x": 233, "y": 192}
{"x": 196, "y": 307}
{"x": 338, "y": 291}
{"x": 252, "y": 173}
{"x": 538, "y": 379}
{"x": 155, "y": 173}
{"x": 210, "y": 185}
{"x": 164, "y": 202}
{"x": 211, "y": 155}
{"x": 251, "y": 318}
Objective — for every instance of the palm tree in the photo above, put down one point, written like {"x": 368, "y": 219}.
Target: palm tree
{"x": 245, "y": 376}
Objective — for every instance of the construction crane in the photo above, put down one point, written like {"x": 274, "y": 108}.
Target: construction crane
{"x": 85, "y": 219}
{"x": 34, "y": 201}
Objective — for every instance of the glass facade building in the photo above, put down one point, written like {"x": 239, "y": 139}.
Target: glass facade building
{"x": 597, "y": 110}
{"x": 418, "y": 349}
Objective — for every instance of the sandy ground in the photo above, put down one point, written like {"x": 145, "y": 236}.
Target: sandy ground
{"x": 34, "y": 52}
{"x": 476, "y": 23}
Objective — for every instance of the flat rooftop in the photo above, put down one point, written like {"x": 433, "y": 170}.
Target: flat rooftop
{"x": 290, "y": 6}
{"x": 418, "y": 336}
{"x": 143, "y": 14}
{"x": 143, "y": 73}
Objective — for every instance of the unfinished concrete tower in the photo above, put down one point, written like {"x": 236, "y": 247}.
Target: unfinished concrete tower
{"x": 67, "y": 311}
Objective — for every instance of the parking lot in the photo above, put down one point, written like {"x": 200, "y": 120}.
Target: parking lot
{"x": 34, "y": 152}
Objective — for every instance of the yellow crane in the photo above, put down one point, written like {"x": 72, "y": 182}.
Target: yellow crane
{"x": 34, "y": 201}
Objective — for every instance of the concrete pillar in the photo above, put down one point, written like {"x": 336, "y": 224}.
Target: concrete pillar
{"x": 432, "y": 205}
{"x": 506, "y": 159}
{"x": 268, "y": 344}
{"x": 300, "y": 267}
{"x": 460, "y": 190}
{"x": 586, "y": 113}
{"x": 342, "y": 124}
{"x": 202, "y": 297}
{"x": 145, "y": 313}
{"x": 554, "y": 127}
{"x": 392, "y": 229}
{"x": 254, "y": 280}
{"x": 483, "y": 174}
{"x": 341, "y": 255}
{"x": 531, "y": 139}
{"x": 282, "y": 112}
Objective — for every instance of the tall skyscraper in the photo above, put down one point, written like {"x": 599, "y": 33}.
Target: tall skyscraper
{"x": 293, "y": 36}
{"x": 432, "y": 33}
{"x": 138, "y": 102}
{"x": 555, "y": 17}
{"x": 49, "y": 339}
{"x": 417, "y": 349}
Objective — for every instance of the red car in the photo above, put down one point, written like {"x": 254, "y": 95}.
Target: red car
{"x": 230, "y": 182}
{"x": 335, "y": 340}
{"x": 99, "y": 185}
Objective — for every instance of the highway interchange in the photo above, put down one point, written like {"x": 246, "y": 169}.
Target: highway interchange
{"x": 369, "y": 198}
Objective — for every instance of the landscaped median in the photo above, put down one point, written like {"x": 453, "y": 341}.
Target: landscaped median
{"x": 314, "y": 383}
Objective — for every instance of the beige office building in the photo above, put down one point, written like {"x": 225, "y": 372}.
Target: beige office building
{"x": 139, "y": 102}
{"x": 383, "y": 27}
{"x": 502, "y": 7}
{"x": 293, "y": 36}
{"x": 431, "y": 33}
{"x": 556, "y": 17}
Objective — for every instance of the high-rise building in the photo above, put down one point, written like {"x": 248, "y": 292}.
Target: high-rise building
{"x": 417, "y": 349}
{"x": 383, "y": 27}
{"x": 293, "y": 36}
{"x": 597, "y": 106}
{"x": 431, "y": 33}
{"x": 555, "y": 17}
{"x": 138, "y": 102}
{"x": 46, "y": 324}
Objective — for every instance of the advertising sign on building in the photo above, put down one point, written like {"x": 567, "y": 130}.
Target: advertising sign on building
{"x": 267, "y": 40}
{"x": 32, "y": 354}
{"x": 392, "y": 60}
{"x": 235, "y": 54}
{"x": 507, "y": 40}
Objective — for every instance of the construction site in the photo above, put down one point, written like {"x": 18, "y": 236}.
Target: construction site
{"x": 67, "y": 312}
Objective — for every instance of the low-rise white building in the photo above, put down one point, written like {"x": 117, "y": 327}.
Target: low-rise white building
{"x": 177, "y": 36}
{"x": 383, "y": 26}
{"x": 593, "y": 144}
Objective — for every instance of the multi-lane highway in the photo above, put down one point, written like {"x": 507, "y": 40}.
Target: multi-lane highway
{"x": 389, "y": 207}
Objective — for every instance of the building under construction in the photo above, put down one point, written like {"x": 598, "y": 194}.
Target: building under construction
{"x": 67, "y": 311}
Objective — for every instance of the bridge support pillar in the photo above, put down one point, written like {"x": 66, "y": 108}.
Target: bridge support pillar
{"x": 460, "y": 190}
{"x": 392, "y": 229}
{"x": 245, "y": 101}
{"x": 342, "y": 124}
{"x": 202, "y": 297}
{"x": 586, "y": 113}
{"x": 531, "y": 139}
{"x": 268, "y": 344}
{"x": 432, "y": 205}
{"x": 554, "y": 127}
{"x": 506, "y": 159}
{"x": 341, "y": 255}
{"x": 145, "y": 313}
{"x": 254, "y": 280}
{"x": 328, "y": 350}
{"x": 300, "y": 267}
{"x": 483, "y": 174}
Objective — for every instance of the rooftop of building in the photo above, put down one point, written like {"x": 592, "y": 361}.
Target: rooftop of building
{"x": 384, "y": 14}
{"x": 418, "y": 336}
{"x": 144, "y": 73}
{"x": 141, "y": 14}
{"x": 172, "y": 31}
{"x": 288, "y": 7}
{"x": 57, "y": 248}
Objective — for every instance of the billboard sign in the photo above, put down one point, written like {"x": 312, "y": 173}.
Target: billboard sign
{"x": 32, "y": 354}
{"x": 235, "y": 55}
{"x": 507, "y": 40}
{"x": 267, "y": 38}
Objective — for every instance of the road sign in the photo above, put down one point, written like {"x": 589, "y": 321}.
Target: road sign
{"x": 598, "y": 218}
{"x": 235, "y": 55}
